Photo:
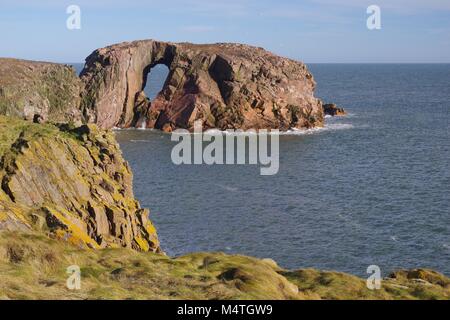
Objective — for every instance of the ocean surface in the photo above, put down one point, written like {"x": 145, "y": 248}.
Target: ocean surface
{"x": 371, "y": 188}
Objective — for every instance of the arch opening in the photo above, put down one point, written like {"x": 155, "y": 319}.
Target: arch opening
{"x": 154, "y": 78}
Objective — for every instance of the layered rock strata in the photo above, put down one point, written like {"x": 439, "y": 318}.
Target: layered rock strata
{"x": 227, "y": 86}
{"x": 71, "y": 183}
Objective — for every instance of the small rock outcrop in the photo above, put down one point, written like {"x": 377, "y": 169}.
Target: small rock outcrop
{"x": 39, "y": 91}
{"x": 331, "y": 109}
{"x": 227, "y": 86}
{"x": 71, "y": 183}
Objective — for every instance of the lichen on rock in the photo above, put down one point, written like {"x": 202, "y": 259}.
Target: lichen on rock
{"x": 75, "y": 181}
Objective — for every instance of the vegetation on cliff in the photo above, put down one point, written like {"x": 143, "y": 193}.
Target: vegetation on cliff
{"x": 39, "y": 91}
{"x": 72, "y": 184}
{"x": 35, "y": 267}
{"x": 66, "y": 193}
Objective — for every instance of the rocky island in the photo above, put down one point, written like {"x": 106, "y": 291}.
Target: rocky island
{"x": 227, "y": 86}
{"x": 224, "y": 85}
{"x": 66, "y": 192}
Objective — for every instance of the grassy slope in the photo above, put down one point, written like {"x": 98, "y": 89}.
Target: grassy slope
{"x": 39, "y": 84}
{"x": 34, "y": 267}
{"x": 11, "y": 128}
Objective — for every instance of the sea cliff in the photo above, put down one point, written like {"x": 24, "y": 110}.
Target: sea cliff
{"x": 67, "y": 199}
{"x": 224, "y": 85}
{"x": 70, "y": 183}
{"x": 66, "y": 194}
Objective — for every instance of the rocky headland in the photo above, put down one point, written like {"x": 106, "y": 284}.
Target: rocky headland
{"x": 226, "y": 86}
{"x": 39, "y": 91}
{"x": 66, "y": 194}
{"x": 71, "y": 184}
{"x": 66, "y": 199}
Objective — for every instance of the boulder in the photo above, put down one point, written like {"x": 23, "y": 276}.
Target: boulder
{"x": 333, "y": 110}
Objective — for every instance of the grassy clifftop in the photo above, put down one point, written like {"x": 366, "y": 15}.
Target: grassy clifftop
{"x": 34, "y": 267}
{"x": 39, "y": 90}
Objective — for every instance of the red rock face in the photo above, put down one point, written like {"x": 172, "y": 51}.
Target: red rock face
{"x": 227, "y": 86}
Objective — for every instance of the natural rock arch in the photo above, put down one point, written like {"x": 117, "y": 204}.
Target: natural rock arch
{"x": 224, "y": 85}
{"x": 143, "y": 102}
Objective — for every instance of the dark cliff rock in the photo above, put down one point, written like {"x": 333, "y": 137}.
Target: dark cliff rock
{"x": 333, "y": 110}
{"x": 224, "y": 85}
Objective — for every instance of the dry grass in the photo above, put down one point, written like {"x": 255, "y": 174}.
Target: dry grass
{"x": 34, "y": 267}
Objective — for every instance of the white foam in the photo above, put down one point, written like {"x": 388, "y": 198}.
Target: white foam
{"x": 333, "y": 126}
{"x": 327, "y": 127}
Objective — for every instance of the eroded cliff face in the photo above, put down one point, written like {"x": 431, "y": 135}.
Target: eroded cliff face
{"x": 72, "y": 184}
{"x": 39, "y": 91}
{"x": 227, "y": 86}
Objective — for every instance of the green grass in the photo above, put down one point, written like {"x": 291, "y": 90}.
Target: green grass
{"x": 54, "y": 89}
{"x": 12, "y": 128}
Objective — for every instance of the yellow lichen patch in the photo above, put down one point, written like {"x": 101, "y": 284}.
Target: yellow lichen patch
{"x": 10, "y": 211}
{"x": 142, "y": 243}
{"x": 150, "y": 228}
{"x": 3, "y": 215}
{"x": 80, "y": 174}
{"x": 68, "y": 230}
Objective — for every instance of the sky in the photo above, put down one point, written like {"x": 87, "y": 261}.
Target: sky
{"x": 313, "y": 31}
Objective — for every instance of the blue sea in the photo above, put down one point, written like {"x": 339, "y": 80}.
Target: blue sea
{"x": 371, "y": 188}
